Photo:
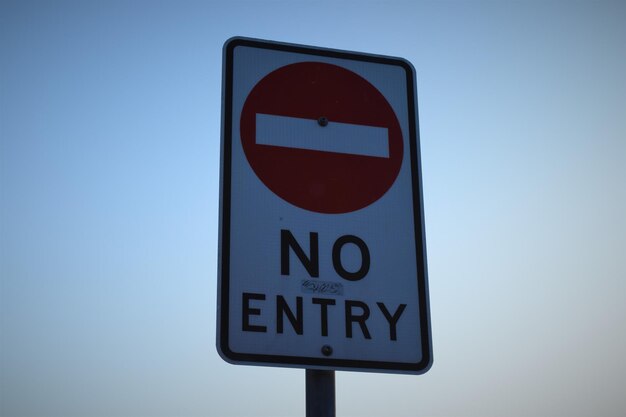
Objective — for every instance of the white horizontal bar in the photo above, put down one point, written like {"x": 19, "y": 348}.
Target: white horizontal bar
{"x": 294, "y": 132}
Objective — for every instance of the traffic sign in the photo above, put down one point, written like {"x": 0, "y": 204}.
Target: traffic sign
{"x": 322, "y": 260}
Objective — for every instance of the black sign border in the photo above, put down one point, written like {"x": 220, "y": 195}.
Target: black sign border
{"x": 224, "y": 234}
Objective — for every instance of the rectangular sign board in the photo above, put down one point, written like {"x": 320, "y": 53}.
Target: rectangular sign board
{"x": 322, "y": 261}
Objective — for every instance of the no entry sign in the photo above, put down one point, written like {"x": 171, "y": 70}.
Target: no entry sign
{"x": 322, "y": 257}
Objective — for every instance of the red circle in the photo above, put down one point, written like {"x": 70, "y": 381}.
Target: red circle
{"x": 320, "y": 181}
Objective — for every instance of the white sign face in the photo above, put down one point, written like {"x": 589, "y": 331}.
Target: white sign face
{"x": 322, "y": 256}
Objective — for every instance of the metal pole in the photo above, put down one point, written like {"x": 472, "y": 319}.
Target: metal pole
{"x": 320, "y": 393}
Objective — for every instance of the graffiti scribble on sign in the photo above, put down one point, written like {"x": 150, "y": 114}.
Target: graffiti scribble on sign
{"x": 314, "y": 286}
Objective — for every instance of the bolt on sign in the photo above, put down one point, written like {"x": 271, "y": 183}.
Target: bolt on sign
{"x": 322, "y": 261}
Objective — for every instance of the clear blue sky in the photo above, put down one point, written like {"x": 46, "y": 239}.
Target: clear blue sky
{"x": 109, "y": 162}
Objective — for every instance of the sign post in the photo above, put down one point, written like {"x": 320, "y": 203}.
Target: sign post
{"x": 320, "y": 393}
{"x": 322, "y": 261}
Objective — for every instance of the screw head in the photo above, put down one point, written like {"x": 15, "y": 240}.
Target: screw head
{"x": 323, "y": 121}
{"x": 327, "y": 350}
